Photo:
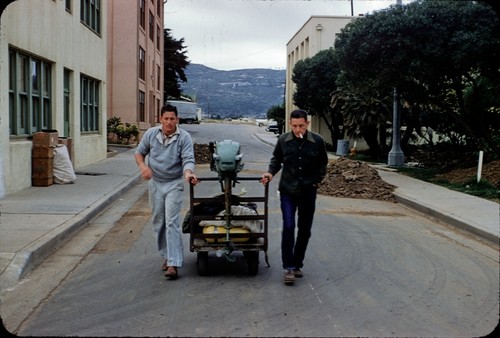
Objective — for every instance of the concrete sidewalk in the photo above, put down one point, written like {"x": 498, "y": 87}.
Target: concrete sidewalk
{"x": 38, "y": 220}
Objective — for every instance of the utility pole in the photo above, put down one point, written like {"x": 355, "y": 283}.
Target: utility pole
{"x": 396, "y": 157}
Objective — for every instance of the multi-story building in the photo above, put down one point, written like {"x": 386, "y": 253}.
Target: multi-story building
{"x": 53, "y": 58}
{"x": 70, "y": 66}
{"x": 135, "y": 61}
{"x": 318, "y": 33}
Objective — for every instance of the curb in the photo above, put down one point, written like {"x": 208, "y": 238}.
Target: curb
{"x": 447, "y": 219}
{"x": 27, "y": 260}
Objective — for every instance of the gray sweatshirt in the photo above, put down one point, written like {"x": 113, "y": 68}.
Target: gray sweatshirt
{"x": 169, "y": 158}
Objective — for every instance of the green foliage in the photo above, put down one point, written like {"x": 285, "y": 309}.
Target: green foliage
{"x": 364, "y": 116}
{"x": 175, "y": 61}
{"x": 444, "y": 58}
{"x": 315, "y": 80}
{"x": 277, "y": 113}
{"x": 121, "y": 133}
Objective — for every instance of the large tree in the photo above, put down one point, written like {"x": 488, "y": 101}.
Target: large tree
{"x": 440, "y": 55}
{"x": 175, "y": 61}
{"x": 315, "y": 79}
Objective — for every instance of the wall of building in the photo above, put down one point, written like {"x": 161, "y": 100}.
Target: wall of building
{"x": 317, "y": 34}
{"x": 123, "y": 59}
{"x": 125, "y": 37}
{"x": 47, "y": 31}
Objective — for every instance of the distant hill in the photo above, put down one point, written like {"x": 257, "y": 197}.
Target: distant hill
{"x": 234, "y": 93}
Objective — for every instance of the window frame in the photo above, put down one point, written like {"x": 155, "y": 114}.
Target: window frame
{"x": 90, "y": 14}
{"x": 142, "y": 106}
{"x": 89, "y": 104}
{"x": 142, "y": 63}
{"x": 30, "y": 94}
{"x": 142, "y": 13}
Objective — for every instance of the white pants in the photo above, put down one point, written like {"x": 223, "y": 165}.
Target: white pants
{"x": 166, "y": 201}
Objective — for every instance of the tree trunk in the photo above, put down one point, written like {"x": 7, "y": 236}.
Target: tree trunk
{"x": 370, "y": 135}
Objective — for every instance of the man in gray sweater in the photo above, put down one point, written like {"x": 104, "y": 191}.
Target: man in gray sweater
{"x": 170, "y": 162}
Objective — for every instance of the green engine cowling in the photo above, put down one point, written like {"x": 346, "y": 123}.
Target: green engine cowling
{"x": 226, "y": 159}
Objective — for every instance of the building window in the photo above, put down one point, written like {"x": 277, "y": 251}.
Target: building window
{"x": 158, "y": 31}
{"x": 142, "y": 106}
{"x": 29, "y": 94}
{"x": 158, "y": 8}
{"x": 67, "y": 4}
{"x": 157, "y": 115}
{"x": 67, "y": 102}
{"x": 151, "y": 26}
{"x": 89, "y": 97}
{"x": 158, "y": 77}
{"x": 142, "y": 14}
{"x": 90, "y": 14}
{"x": 142, "y": 63}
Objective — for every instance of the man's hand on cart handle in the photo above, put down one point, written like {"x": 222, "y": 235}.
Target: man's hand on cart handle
{"x": 190, "y": 177}
{"x": 266, "y": 178}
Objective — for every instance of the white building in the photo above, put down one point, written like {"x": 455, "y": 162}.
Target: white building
{"x": 317, "y": 34}
{"x": 53, "y": 54}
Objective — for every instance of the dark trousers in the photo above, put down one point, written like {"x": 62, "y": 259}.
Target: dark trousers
{"x": 293, "y": 251}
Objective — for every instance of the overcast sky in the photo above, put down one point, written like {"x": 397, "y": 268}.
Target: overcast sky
{"x": 240, "y": 34}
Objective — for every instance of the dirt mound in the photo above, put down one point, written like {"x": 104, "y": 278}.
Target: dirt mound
{"x": 355, "y": 179}
{"x": 201, "y": 153}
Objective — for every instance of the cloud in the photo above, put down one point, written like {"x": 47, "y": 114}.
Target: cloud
{"x": 237, "y": 34}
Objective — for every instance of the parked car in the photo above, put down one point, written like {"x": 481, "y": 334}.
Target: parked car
{"x": 273, "y": 127}
{"x": 263, "y": 122}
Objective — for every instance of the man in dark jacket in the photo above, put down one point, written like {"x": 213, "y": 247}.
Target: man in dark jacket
{"x": 302, "y": 155}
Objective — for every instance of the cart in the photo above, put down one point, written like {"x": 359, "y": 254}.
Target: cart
{"x": 228, "y": 238}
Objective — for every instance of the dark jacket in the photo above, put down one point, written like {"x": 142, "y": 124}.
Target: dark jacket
{"x": 303, "y": 161}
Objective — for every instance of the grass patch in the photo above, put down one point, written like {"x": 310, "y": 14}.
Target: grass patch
{"x": 424, "y": 174}
{"x": 483, "y": 188}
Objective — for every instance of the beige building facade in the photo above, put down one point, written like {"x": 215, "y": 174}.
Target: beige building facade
{"x": 53, "y": 60}
{"x": 318, "y": 33}
{"x": 135, "y": 61}
{"x": 71, "y": 65}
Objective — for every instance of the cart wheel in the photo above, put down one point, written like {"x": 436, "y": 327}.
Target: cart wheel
{"x": 202, "y": 263}
{"x": 253, "y": 262}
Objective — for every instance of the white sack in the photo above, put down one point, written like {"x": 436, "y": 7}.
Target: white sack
{"x": 63, "y": 168}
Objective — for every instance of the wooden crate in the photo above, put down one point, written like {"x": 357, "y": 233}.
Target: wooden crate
{"x": 46, "y": 138}
{"x": 42, "y": 182}
{"x": 42, "y": 168}
{"x": 42, "y": 151}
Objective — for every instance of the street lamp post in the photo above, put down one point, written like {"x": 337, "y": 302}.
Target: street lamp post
{"x": 396, "y": 157}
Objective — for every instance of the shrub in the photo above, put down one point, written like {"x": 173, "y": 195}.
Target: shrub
{"x": 121, "y": 133}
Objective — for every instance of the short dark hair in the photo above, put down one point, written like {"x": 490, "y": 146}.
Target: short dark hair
{"x": 298, "y": 114}
{"x": 168, "y": 107}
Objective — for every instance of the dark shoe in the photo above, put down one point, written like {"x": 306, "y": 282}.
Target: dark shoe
{"x": 288, "y": 277}
{"x": 164, "y": 266}
{"x": 171, "y": 272}
{"x": 297, "y": 273}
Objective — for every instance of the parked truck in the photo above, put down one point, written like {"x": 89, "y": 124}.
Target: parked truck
{"x": 187, "y": 111}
